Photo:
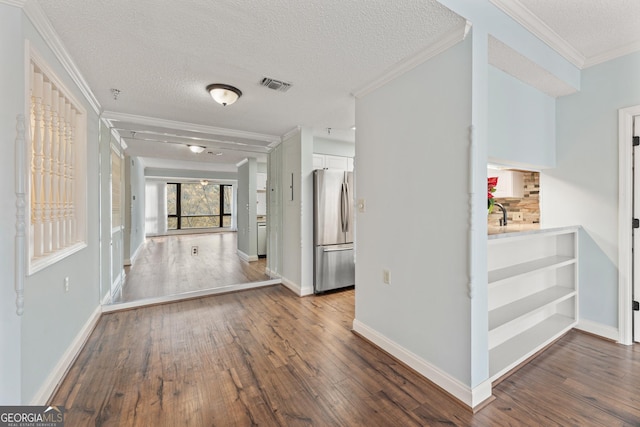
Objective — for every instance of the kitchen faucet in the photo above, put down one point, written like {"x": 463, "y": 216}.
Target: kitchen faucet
{"x": 503, "y": 220}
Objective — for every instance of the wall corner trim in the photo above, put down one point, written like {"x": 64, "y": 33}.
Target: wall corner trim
{"x": 472, "y": 397}
{"x": 296, "y": 288}
{"x": 16, "y": 3}
{"x": 523, "y": 16}
{"x": 246, "y": 257}
{"x": 50, "y": 385}
{"x": 447, "y": 41}
{"x": 42, "y": 24}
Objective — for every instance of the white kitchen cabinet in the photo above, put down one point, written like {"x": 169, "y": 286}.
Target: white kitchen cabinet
{"x": 318, "y": 161}
{"x": 261, "y": 181}
{"x": 261, "y": 200}
{"x": 533, "y": 293}
{"x": 326, "y": 161}
{"x": 510, "y": 183}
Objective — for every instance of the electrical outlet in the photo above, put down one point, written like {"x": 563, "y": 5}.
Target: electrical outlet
{"x": 517, "y": 216}
{"x": 194, "y": 250}
{"x": 362, "y": 205}
{"x": 66, "y": 284}
{"x": 386, "y": 277}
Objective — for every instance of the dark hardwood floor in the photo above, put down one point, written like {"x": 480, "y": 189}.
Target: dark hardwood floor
{"x": 267, "y": 357}
{"x": 165, "y": 266}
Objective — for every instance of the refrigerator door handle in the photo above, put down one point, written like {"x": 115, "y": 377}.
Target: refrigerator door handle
{"x": 344, "y": 205}
{"x": 350, "y": 248}
{"x": 347, "y": 203}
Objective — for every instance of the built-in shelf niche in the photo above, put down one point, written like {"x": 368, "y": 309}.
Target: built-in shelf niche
{"x": 533, "y": 295}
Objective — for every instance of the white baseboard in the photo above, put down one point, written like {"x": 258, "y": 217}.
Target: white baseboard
{"x": 245, "y": 257}
{"x": 271, "y": 273}
{"x": 106, "y": 299}
{"x": 118, "y": 284}
{"x": 595, "y": 328}
{"x": 296, "y": 288}
{"x": 471, "y": 397}
{"x": 64, "y": 364}
{"x": 188, "y": 295}
{"x": 130, "y": 261}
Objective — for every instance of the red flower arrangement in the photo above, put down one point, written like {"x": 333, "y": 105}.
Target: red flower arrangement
{"x": 491, "y": 188}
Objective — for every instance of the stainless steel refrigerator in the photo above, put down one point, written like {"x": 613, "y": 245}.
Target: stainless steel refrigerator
{"x": 333, "y": 264}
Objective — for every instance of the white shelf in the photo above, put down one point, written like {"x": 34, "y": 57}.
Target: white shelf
{"x": 512, "y": 352}
{"x": 528, "y": 312}
{"x": 516, "y": 270}
{"x": 528, "y": 305}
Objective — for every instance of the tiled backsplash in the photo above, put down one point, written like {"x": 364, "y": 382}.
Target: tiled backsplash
{"x": 529, "y": 205}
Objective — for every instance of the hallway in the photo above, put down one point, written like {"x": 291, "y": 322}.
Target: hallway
{"x": 166, "y": 266}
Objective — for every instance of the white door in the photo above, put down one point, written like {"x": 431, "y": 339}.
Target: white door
{"x": 636, "y": 234}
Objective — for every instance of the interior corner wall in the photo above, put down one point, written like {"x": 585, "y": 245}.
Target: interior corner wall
{"x": 295, "y": 193}
{"x": 412, "y": 147}
{"x": 12, "y": 103}
{"x": 522, "y": 123}
{"x": 291, "y": 210}
{"x": 274, "y": 212}
{"x": 134, "y": 207}
{"x": 53, "y": 318}
{"x": 246, "y": 214}
{"x": 583, "y": 188}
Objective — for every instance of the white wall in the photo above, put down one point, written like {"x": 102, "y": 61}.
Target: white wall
{"x": 333, "y": 147}
{"x": 155, "y": 202}
{"x": 294, "y": 230}
{"x": 134, "y": 207}
{"x": 583, "y": 188}
{"x": 291, "y": 211}
{"x": 413, "y": 166}
{"x": 53, "y": 318}
{"x": 246, "y": 216}
{"x": 11, "y": 104}
{"x": 189, "y": 174}
{"x": 522, "y": 123}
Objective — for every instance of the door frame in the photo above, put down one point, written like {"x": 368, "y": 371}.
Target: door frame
{"x": 625, "y": 213}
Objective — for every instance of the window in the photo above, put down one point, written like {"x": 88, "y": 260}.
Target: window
{"x": 194, "y": 205}
{"x": 57, "y": 178}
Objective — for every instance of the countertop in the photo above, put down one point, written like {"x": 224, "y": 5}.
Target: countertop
{"x": 518, "y": 230}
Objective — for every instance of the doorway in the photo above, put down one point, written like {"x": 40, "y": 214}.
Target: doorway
{"x": 628, "y": 209}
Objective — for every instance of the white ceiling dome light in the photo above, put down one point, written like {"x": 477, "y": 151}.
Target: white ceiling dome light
{"x": 224, "y": 94}
{"x": 197, "y": 149}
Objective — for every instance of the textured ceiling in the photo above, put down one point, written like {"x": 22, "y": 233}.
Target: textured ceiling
{"x": 161, "y": 56}
{"x": 593, "y": 27}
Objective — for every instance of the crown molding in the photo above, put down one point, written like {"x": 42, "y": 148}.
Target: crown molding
{"x": 292, "y": 132}
{"x": 42, "y": 24}
{"x": 519, "y": 13}
{"x": 16, "y": 3}
{"x": 612, "y": 54}
{"x": 112, "y": 116}
{"x": 447, "y": 41}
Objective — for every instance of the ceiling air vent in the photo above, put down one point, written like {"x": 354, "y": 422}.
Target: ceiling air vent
{"x": 274, "y": 84}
